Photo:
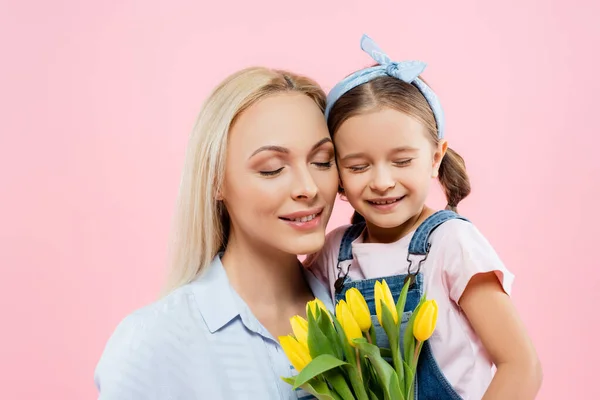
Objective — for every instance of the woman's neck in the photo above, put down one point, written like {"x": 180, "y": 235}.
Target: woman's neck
{"x": 263, "y": 276}
{"x": 271, "y": 283}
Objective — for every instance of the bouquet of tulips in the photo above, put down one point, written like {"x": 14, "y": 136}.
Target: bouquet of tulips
{"x": 337, "y": 357}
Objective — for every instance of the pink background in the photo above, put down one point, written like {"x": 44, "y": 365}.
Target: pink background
{"x": 97, "y": 100}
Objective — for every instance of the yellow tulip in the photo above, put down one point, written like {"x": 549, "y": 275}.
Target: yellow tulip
{"x": 296, "y": 352}
{"x": 382, "y": 292}
{"x": 359, "y": 308}
{"x": 312, "y": 306}
{"x": 425, "y": 321}
{"x": 349, "y": 324}
{"x": 300, "y": 328}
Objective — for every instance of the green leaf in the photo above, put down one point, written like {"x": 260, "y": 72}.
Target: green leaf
{"x": 395, "y": 388}
{"x": 358, "y": 382}
{"x": 388, "y": 379}
{"x": 409, "y": 380}
{"x": 328, "y": 329}
{"x": 389, "y": 326}
{"x": 402, "y": 299}
{"x": 336, "y": 396}
{"x": 290, "y": 381}
{"x": 319, "y": 389}
{"x": 316, "y": 367}
{"x": 346, "y": 347}
{"x": 373, "y": 334}
{"x": 372, "y": 396}
{"x": 318, "y": 343}
{"x": 393, "y": 331}
{"x": 409, "y": 338}
{"x": 385, "y": 352}
{"x": 339, "y": 384}
{"x": 349, "y": 352}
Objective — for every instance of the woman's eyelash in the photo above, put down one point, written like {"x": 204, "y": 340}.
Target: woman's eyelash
{"x": 327, "y": 164}
{"x": 271, "y": 173}
{"x": 274, "y": 172}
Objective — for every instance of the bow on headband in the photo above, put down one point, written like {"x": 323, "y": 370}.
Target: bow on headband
{"x": 406, "y": 71}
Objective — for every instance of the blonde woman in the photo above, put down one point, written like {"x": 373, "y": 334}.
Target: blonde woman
{"x": 258, "y": 187}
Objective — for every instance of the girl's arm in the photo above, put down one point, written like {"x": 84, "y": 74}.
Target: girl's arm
{"x": 496, "y": 322}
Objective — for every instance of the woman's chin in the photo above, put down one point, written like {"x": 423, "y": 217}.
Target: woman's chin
{"x": 307, "y": 244}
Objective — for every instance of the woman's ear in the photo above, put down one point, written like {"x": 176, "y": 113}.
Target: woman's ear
{"x": 219, "y": 195}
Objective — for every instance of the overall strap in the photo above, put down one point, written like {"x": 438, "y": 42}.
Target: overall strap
{"x": 351, "y": 234}
{"x": 345, "y": 253}
{"x": 420, "y": 244}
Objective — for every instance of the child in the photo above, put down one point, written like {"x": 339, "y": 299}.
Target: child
{"x": 388, "y": 129}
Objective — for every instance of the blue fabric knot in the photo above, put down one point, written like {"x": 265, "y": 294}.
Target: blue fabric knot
{"x": 392, "y": 69}
{"x": 406, "y": 71}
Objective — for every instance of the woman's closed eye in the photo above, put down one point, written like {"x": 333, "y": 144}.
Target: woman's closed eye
{"x": 323, "y": 164}
{"x": 272, "y": 172}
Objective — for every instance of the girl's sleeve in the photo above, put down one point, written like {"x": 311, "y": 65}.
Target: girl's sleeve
{"x": 468, "y": 253}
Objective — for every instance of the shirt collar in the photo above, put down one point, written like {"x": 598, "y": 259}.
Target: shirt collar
{"x": 217, "y": 300}
{"x": 215, "y": 297}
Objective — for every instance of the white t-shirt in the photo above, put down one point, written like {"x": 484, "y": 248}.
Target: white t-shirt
{"x": 458, "y": 252}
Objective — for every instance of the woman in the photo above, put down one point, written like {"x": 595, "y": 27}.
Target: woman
{"x": 258, "y": 187}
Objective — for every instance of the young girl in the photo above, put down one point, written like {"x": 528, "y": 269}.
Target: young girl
{"x": 388, "y": 130}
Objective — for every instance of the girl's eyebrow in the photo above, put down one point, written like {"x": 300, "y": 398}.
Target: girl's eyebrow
{"x": 402, "y": 149}
{"x": 353, "y": 155}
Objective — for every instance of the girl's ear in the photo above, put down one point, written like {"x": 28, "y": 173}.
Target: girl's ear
{"x": 438, "y": 156}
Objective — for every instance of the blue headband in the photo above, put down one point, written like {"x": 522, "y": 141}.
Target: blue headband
{"x": 407, "y": 71}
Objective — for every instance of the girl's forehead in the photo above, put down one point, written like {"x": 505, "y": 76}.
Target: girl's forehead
{"x": 383, "y": 128}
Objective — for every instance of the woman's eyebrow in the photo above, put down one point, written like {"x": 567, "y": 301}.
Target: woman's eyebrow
{"x": 320, "y": 143}
{"x": 277, "y": 149}
{"x": 284, "y": 150}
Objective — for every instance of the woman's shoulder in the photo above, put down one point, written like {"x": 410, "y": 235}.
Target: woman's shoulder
{"x": 155, "y": 322}
{"x": 147, "y": 341}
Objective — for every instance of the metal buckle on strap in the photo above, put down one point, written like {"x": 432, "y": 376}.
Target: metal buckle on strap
{"x": 411, "y": 275}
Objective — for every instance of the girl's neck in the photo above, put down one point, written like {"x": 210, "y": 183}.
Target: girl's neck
{"x": 377, "y": 234}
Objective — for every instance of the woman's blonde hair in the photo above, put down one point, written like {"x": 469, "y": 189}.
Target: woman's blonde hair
{"x": 201, "y": 222}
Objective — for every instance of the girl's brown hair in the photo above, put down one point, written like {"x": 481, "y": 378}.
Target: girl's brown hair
{"x": 393, "y": 93}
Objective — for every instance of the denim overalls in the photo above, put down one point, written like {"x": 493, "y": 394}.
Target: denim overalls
{"x": 431, "y": 383}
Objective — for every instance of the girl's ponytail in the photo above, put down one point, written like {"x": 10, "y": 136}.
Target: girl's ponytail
{"x": 454, "y": 179}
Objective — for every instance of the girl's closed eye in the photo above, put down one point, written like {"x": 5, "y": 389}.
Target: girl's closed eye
{"x": 358, "y": 167}
{"x": 403, "y": 163}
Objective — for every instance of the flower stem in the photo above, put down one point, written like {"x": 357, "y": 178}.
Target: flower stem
{"x": 368, "y": 337}
{"x": 358, "y": 364}
{"x": 417, "y": 352}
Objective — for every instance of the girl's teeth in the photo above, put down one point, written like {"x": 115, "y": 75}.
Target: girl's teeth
{"x": 384, "y": 202}
{"x": 305, "y": 219}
